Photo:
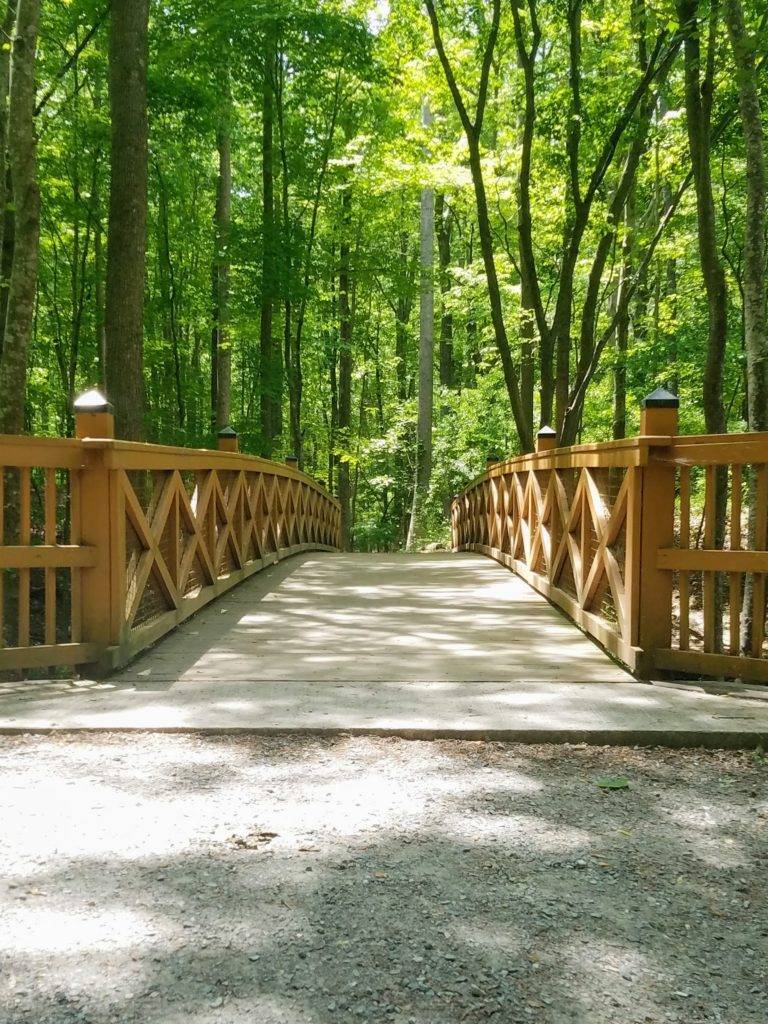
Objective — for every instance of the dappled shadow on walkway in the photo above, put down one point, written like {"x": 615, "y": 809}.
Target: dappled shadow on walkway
{"x": 404, "y": 882}
{"x": 378, "y": 618}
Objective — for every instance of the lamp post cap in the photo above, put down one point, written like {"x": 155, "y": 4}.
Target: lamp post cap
{"x": 661, "y": 399}
{"x": 92, "y": 400}
{"x": 227, "y": 432}
{"x": 547, "y": 432}
{"x": 292, "y": 458}
{"x": 492, "y": 458}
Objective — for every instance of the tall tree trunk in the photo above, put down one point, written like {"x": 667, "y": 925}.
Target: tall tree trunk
{"x": 698, "y": 103}
{"x": 402, "y": 317}
{"x": 426, "y": 360}
{"x": 755, "y": 336}
{"x": 755, "y": 339}
{"x": 221, "y": 350}
{"x": 622, "y": 324}
{"x": 699, "y": 90}
{"x": 443, "y": 224}
{"x": 345, "y": 367}
{"x": 269, "y": 377}
{"x": 126, "y": 239}
{"x": 22, "y": 150}
{"x": 6, "y": 36}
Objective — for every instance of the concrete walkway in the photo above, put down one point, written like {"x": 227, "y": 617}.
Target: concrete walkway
{"x": 433, "y": 645}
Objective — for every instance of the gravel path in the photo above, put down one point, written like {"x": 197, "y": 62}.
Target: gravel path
{"x": 160, "y": 878}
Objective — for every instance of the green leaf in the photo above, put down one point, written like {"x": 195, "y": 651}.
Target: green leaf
{"x": 608, "y": 782}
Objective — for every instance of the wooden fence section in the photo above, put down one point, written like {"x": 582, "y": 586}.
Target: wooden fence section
{"x": 106, "y": 545}
{"x": 646, "y": 543}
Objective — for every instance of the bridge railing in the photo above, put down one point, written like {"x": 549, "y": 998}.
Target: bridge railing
{"x": 106, "y": 545}
{"x": 655, "y": 545}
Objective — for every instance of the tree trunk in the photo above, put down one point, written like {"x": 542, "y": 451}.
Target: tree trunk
{"x": 220, "y": 340}
{"x": 126, "y": 240}
{"x": 426, "y": 360}
{"x": 345, "y": 368}
{"x": 622, "y": 324}
{"x": 6, "y": 34}
{"x": 270, "y": 383}
{"x": 698, "y": 103}
{"x": 443, "y": 224}
{"x": 402, "y": 317}
{"x": 755, "y": 338}
{"x": 22, "y": 150}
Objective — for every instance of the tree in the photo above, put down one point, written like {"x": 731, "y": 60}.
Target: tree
{"x": 22, "y": 163}
{"x": 221, "y": 351}
{"x": 126, "y": 239}
{"x": 755, "y": 336}
{"x": 473, "y": 127}
{"x": 426, "y": 358}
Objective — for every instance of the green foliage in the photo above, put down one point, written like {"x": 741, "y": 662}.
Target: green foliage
{"x": 382, "y": 60}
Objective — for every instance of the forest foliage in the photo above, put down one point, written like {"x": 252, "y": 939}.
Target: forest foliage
{"x": 216, "y": 210}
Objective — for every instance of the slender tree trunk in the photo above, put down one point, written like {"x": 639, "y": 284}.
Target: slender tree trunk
{"x": 426, "y": 360}
{"x": 168, "y": 293}
{"x": 755, "y": 336}
{"x": 622, "y": 324}
{"x": 699, "y": 88}
{"x": 269, "y": 377}
{"x": 443, "y": 224}
{"x": 126, "y": 240}
{"x": 698, "y": 102}
{"x": 22, "y": 150}
{"x": 6, "y": 39}
{"x": 345, "y": 367}
{"x": 755, "y": 339}
{"x": 402, "y": 318}
{"x": 220, "y": 339}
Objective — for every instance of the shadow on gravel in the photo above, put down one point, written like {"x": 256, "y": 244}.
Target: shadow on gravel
{"x": 426, "y": 883}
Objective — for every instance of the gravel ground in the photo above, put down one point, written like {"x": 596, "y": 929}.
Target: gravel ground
{"x": 211, "y": 879}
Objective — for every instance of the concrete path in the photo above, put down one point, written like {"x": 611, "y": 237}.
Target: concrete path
{"x": 435, "y": 645}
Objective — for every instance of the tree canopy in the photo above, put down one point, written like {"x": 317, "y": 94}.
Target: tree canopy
{"x": 218, "y": 212}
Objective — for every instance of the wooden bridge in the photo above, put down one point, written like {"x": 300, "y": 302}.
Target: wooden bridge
{"x": 646, "y": 544}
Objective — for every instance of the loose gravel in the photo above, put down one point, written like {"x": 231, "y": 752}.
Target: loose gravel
{"x": 160, "y": 878}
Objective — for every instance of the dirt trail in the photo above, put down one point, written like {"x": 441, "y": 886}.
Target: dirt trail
{"x": 188, "y": 879}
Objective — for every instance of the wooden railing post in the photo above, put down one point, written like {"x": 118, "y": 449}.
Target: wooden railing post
{"x": 100, "y": 592}
{"x": 228, "y": 440}
{"x": 546, "y": 440}
{"x": 651, "y": 527}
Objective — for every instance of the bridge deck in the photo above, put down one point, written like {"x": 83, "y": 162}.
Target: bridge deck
{"x": 437, "y": 645}
{"x": 378, "y": 618}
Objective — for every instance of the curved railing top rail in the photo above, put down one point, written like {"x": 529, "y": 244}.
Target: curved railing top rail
{"x": 657, "y": 545}
{"x": 67, "y": 453}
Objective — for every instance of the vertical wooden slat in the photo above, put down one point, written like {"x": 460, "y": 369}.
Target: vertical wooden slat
{"x": 50, "y": 574}
{"x": 25, "y": 536}
{"x": 758, "y": 589}
{"x": 708, "y": 578}
{"x": 583, "y": 543}
{"x": 734, "y": 586}
{"x": 76, "y": 591}
{"x": 685, "y": 542}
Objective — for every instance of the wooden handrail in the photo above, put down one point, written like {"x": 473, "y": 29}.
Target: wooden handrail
{"x": 132, "y": 538}
{"x": 617, "y": 536}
